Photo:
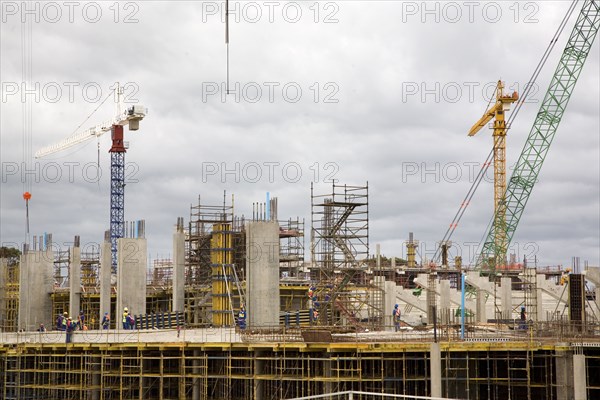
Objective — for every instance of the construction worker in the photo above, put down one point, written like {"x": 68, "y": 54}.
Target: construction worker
{"x": 125, "y": 320}
{"x": 59, "y": 322}
{"x": 242, "y": 317}
{"x": 63, "y": 322}
{"x": 81, "y": 320}
{"x": 523, "y": 323}
{"x": 130, "y": 321}
{"x": 69, "y": 330}
{"x": 396, "y": 317}
{"x": 106, "y": 321}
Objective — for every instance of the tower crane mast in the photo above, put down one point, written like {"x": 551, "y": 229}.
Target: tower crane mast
{"x": 125, "y": 116}
{"x": 497, "y": 112}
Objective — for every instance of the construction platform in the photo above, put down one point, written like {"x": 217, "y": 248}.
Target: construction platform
{"x": 222, "y": 363}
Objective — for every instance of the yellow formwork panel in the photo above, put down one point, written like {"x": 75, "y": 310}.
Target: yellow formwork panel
{"x": 221, "y": 264}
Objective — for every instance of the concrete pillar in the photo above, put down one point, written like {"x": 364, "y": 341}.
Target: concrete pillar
{"x": 481, "y": 311}
{"x": 506, "y": 297}
{"x": 388, "y": 304}
{"x": 36, "y": 282}
{"x": 327, "y": 385}
{"x": 579, "y": 377}
{"x": 259, "y": 367}
{"x": 196, "y": 372}
{"x": 564, "y": 375}
{"x": 444, "y": 301}
{"x": 541, "y": 312}
{"x": 132, "y": 255}
{"x": 105, "y": 279}
{"x": 178, "y": 267}
{"x": 75, "y": 279}
{"x": 435, "y": 370}
{"x": 262, "y": 269}
{"x": 94, "y": 394}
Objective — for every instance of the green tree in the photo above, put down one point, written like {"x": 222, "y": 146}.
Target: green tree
{"x": 10, "y": 252}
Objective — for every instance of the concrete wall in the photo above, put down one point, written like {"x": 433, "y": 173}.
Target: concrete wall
{"x": 564, "y": 375}
{"x": 506, "y": 297}
{"x": 388, "y": 304}
{"x": 579, "y": 377}
{"x": 35, "y": 285}
{"x": 75, "y": 282}
{"x": 436, "y": 370}
{"x": 262, "y": 271}
{"x": 178, "y": 269}
{"x": 105, "y": 278}
{"x": 132, "y": 257}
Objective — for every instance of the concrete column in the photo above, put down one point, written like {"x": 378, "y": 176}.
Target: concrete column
{"x": 36, "y": 282}
{"x": 444, "y": 301}
{"x": 481, "y": 311}
{"x": 259, "y": 366}
{"x": 506, "y": 297}
{"x": 564, "y": 375}
{"x": 579, "y": 377}
{"x": 388, "y": 304}
{"x": 75, "y": 280}
{"x": 435, "y": 370}
{"x": 262, "y": 269}
{"x": 541, "y": 312}
{"x": 178, "y": 267}
{"x": 94, "y": 394}
{"x": 196, "y": 380}
{"x": 132, "y": 257}
{"x": 105, "y": 280}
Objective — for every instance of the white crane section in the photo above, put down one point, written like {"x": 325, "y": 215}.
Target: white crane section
{"x": 131, "y": 116}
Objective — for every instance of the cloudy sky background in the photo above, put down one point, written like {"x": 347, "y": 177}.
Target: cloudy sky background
{"x": 388, "y": 94}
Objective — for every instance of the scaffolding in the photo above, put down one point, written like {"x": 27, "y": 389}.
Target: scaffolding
{"x": 243, "y": 370}
{"x": 223, "y": 275}
{"x": 9, "y": 294}
{"x": 340, "y": 251}
{"x": 291, "y": 248}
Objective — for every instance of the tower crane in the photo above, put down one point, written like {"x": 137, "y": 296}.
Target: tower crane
{"x": 125, "y": 116}
{"x": 496, "y": 112}
{"x": 492, "y": 251}
{"x": 541, "y": 135}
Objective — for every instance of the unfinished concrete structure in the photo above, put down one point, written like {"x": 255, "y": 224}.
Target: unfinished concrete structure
{"x": 35, "y": 285}
{"x": 262, "y": 269}
{"x": 131, "y": 275}
{"x": 221, "y": 260}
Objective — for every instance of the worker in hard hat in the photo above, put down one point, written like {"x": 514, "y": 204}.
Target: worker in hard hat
{"x": 125, "y": 320}
{"x": 242, "y": 317}
{"x": 61, "y": 322}
{"x": 396, "y": 317}
{"x": 523, "y": 323}
{"x": 69, "y": 330}
{"x": 106, "y": 321}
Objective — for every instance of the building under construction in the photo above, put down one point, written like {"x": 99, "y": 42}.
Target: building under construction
{"x": 315, "y": 327}
{"x": 265, "y": 307}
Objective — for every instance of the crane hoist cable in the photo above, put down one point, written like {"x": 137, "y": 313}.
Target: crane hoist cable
{"x": 466, "y": 201}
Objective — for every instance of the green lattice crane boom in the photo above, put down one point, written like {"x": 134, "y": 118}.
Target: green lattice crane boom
{"x": 542, "y": 133}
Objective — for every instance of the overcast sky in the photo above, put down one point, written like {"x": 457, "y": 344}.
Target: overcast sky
{"x": 377, "y": 91}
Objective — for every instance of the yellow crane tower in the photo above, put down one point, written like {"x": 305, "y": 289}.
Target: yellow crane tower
{"x": 496, "y": 112}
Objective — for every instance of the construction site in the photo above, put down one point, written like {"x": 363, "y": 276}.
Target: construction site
{"x": 279, "y": 307}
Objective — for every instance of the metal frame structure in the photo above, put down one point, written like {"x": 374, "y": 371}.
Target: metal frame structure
{"x": 542, "y": 133}
{"x": 339, "y": 253}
